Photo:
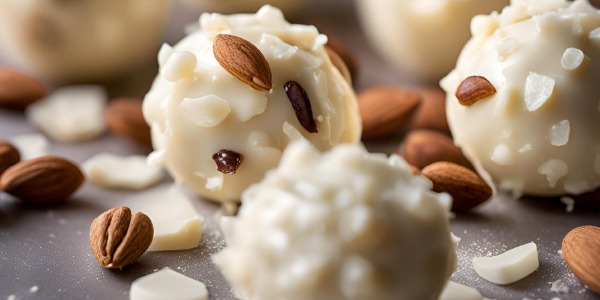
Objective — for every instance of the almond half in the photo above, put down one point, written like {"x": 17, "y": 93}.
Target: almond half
{"x": 581, "y": 251}
{"x": 47, "y": 179}
{"x": 243, "y": 60}
{"x": 468, "y": 190}
{"x": 473, "y": 89}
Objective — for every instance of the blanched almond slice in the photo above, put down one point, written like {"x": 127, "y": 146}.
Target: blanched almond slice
{"x": 167, "y": 284}
{"x": 510, "y": 266}
{"x": 457, "y": 291}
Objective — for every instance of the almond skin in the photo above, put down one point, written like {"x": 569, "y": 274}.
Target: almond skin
{"x": 9, "y": 155}
{"x": 386, "y": 110}
{"x": 424, "y": 147}
{"x": 474, "y": 89}
{"x": 581, "y": 252}
{"x": 123, "y": 117}
{"x": 243, "y": 60}
{"x": 18, "y": 90}
{"x": 467, "y": 189}
{"x": 43, "y": 180}
{"x": 119, "y": 237}
{"x": 431, "y": 114}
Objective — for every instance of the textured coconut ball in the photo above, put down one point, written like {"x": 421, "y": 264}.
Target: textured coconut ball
{"x": 77, "y": 41}
{"x": 245, "y": 6}
{"x": 218, "y": 133}
{"x": 423, "y": 37}
{"x": 537, "y": 131}
{"x": 344, "y": 224}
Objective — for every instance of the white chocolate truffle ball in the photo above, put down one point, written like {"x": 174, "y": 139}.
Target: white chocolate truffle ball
{"x": 245, "y": 6}
{"x": 344, "y": 224}
{"x": 76, "y": 41}
{"x": 423, "y": 37}
{"x": 539, "y": 134}
{"x": 203, "y": 118}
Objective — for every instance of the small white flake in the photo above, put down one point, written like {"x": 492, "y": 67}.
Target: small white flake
{"x": 506, "y": 47}
{"x": 34, "y": 289}
{"x": 503, "y": 155}
{"x": 525, "y": 148}
{"x": 207, "y": 111}
{"x": 553, "y": 169}
{"x": 559, "y": 287}
{"x": 572, "y": 59}
{"x": 569, "y": 202}
{"x": 12, "y": 297}
{"x": 595, "y": 34}
{"x": 179, "y": 65}
{"x": 538, "y": 89}
{"x": 560, "y": 132}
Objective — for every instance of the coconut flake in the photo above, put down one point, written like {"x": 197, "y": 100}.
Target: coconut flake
{"x": 559, "y": 133}
{"x": 572, "y": 59}
{"x": 553, "y": 169}
{"x": 538, "y": 89}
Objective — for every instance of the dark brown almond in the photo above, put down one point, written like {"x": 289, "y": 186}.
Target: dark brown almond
{"x": 9, "y": 155}
{"x": 123, "y": 117}
{"x": 47, "y": 179}
{"x": 581, "y": 252}
{"x": 18, "y": 90}
{"x": 243, "y": 60}
{"x": 467, "y": 189}
{"x": 431, "y": 114}
{"x": 301, "y": 105}
{"x": 386, "y": 110}
{"x": 423, "y": 147}
{"x": 119, "y": 237}
{"x": 473, "y": 89}
{"x": 227, "y": 161}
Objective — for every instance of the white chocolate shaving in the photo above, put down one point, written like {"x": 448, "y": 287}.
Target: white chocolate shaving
{"x": 508, "y": 267}
{"x": 179, "y": 65}
{"x": 559, "y": 133}
{"x": 457, "y": 291}
{"x": 572, "y": 59}
{"x": 503, "y": 155}
{"x": 125, "y": 172}
{"x": 31, "y": 145}
{"x": 207, "y": 111}
{"x": 538, "y": 89}
{"x": 553, "y": 169}
{"x": 167, "y": 284}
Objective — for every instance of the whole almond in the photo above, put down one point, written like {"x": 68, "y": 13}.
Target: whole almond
{"x": 431, "y": 114}
{"x": 9, "y": 155}
{"x": 468, "y": 190}
{"x": 18, "y": 90}
{"x": 47, "y": 179}
{"x": 473, "y": 89}
{"x": 119, "y": 237}
{"x": 581, "y": 252}
{"x": 243, "y": 60}
{"x": 423, "y": 147}
{"x": 123, "y": 117}
{"x": 386, "y": 110}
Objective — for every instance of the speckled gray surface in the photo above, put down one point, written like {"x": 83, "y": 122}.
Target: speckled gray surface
{"x": 48, "y": 247}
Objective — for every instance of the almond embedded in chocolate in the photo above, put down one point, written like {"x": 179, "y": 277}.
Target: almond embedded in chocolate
{"x": 301, "y": 104}
{"x": 473, "y": 89}
{"x": 227, "y": 161}
{"x": 243, "y": 60}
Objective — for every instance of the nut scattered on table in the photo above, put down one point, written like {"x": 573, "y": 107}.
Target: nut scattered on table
{"x": 386, "y": 110}
{"x": 43, "y": 180}
{"x": 431, "y": 114}
{"x": 18, "y": 90}
{"x": 424, "y": 147}
{"x": 123, "y": 117}
{"x": 9, "y": 155}
{"x": 468, "y": 190}
{"x": 119, "y": 237}
{"x": 581, "y": 251}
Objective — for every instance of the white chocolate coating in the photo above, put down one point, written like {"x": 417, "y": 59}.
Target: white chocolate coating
{"x": 540, "y": 132}
{"x": 196, "y": 108}
{"x": 344, "y": 224}
{"x": 423, "y": 37}
{"x": 246, "y": 6}
{"x": 76, "y": 41}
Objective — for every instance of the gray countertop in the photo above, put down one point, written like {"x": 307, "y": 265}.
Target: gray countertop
{"x": 48, "y": 247}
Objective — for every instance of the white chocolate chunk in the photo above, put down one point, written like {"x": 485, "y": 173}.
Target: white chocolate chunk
{"x": 207, "y": 111}
{"x": 508, "y": 267}
{"x": 572, "y": 59}
{"x": 595, "y": 34}
{"x": 538, "y": 89}
{"x": 559, "y": 133}
{"x": 167, "y": 284}
{"x": 179, "y": 65}
{"x": 164, "y": 53}
{"x": 553, "y": 169}
{"x": 457, "y": 291}
{"x": 503, "y": 155}
{"x": 177, "y": 225}
{"x": 70, "y": 114}
{"x": 31, "y": 145}
{"x": 569, "y": 202}
{"x": 125, "y": 172}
